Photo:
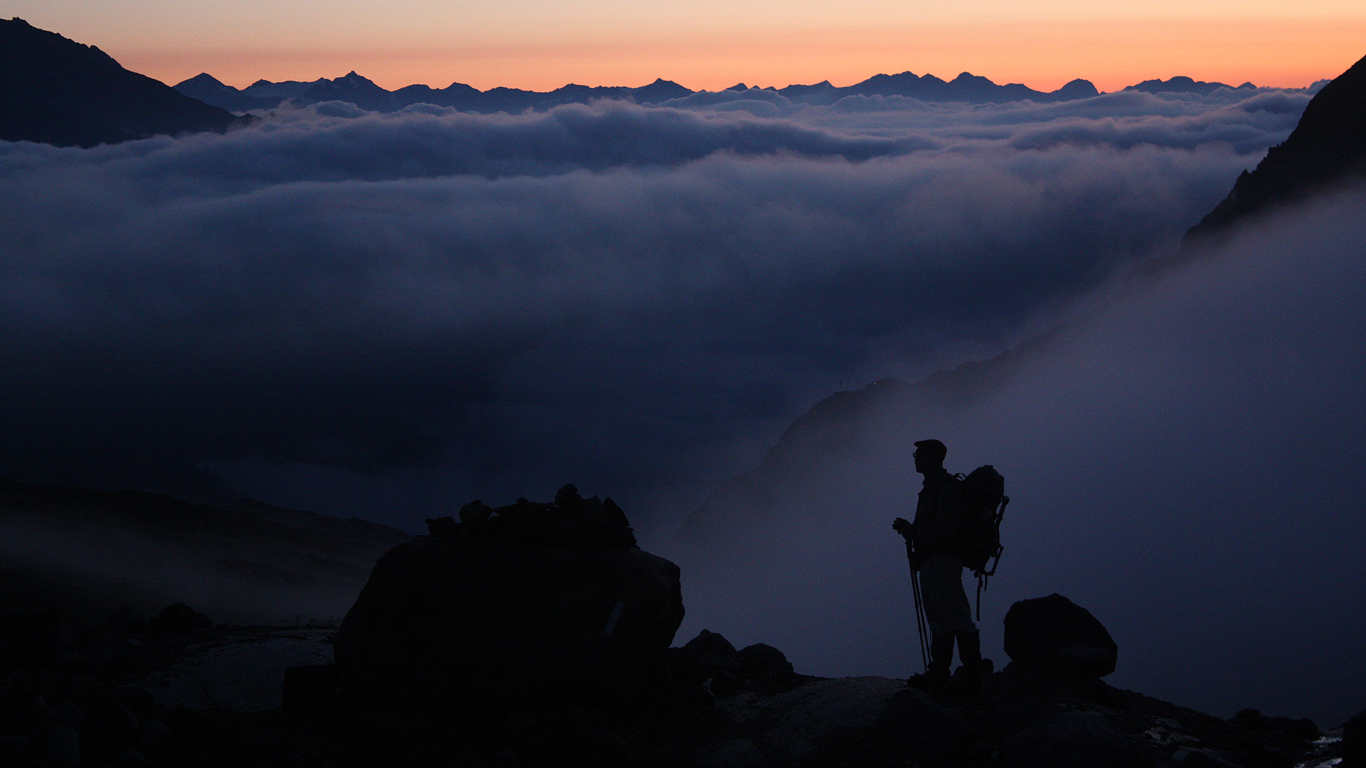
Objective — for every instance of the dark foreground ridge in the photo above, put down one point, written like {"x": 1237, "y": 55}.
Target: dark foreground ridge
{"x": 57, "y": 91}
{"x": 545, "y": 640}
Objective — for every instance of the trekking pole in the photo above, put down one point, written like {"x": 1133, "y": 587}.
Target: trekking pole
{"x": 920, "y": 619}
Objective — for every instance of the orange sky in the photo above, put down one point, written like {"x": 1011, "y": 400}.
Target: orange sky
{"x": 710, "y": 44}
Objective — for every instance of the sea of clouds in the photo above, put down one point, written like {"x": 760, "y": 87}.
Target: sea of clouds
{"x": 1183, "y": 461}
{"x": 390, "y": 315}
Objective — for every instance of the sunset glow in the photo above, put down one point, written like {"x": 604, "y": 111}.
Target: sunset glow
{"x": 706, "y": 45}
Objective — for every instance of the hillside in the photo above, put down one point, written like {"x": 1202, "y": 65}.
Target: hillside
{"x": 57, "y": 91}
{"x": 89, "y": 551}
{"x": 1326, "y": 150}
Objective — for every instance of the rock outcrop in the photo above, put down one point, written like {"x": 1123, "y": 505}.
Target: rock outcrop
{"x": 533, "y": 605}
{"x": 1056, "y": 633}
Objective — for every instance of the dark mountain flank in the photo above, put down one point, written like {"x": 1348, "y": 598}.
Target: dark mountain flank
{"x": 89, "y": 551}
{"x": 57, "y": 91}
{"x": 1327, "y": 149}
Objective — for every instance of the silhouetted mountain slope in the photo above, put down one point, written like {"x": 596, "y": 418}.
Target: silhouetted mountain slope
{"x": 1326, "y": 149}
{"x": 57, "y": 91}
{"x": 89, "y": 551}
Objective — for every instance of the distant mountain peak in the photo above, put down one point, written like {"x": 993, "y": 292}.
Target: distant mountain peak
{"x": 1183, "y": 84}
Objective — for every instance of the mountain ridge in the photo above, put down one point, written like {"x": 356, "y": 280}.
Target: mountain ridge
{"x": 966, "y": 87}
{"x": 57, "y": 91}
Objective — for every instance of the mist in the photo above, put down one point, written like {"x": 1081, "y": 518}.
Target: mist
{"x": 1183, "y": 462}
{"x": 390, "y": 315}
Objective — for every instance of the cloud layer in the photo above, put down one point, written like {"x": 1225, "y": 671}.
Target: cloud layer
{"x": 390, "y": 315}
{"x": 1183, "y": 463}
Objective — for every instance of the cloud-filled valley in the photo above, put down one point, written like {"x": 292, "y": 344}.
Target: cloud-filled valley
{"x": 388, "y": 315}
{"x": 1182, "y": 462}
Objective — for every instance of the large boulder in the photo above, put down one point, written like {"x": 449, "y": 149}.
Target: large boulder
{"x": 1056, "y": 633}
{"x": 523, "y": 611}
{"x": 1354, "y": 742}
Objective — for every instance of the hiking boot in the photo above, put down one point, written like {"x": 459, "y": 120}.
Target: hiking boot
{"x": 931, "y": 680}
{"x": 941, "y": 656}
{"x": 968, "y": 680}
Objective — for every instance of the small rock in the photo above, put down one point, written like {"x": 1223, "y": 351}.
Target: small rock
{"x": 309, "y": 687}
{"x": 735, "y": 753}
{"x": 15, "y": 744}
{"x": 764, "y": 661}
{"x": 62, "y": 747}
{"x": 182, "y": 618}
{"x": 136, "y": 698}
{"x": 67, "y": 715}
{"x": 131, "y": 759}
{"x": 35, "y": 634}
{"x": 710, "y": 643}
{"x": 1068, "y": 740}
{"x": 155, "y": 733}
{"x": 125, "y": 619}
{"x": 915, "y": 719}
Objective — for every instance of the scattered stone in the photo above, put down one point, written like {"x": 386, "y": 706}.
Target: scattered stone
{"x": 309, "y": 688}
{"x": 733, "y": 753}
{"x": 112, "y": 721}
{"x": 125, "y": 619}
{"x": 1068, "y": 740}
{"x": 35, "y": 635}
{"x": 708, "y": 643}
{"x": 15, "y": 744}
{"x": 914, "y": 719}
{"x": 475, "y": 512}
{"x": 442, "y": 526}
{"x": 155, "y": 734}
{"x": 1303, "y": 729}
{"x": 132, "y": 759}
{"x": 1057, "y": 634}
{"x": 1203, "y": 758}
{"x": 795, "y": 722}
{"x": 62, "y": 747}
{"x": 104, "y": 650}
{"x": 179, "y": 617}
{"x": 136, "y": 698}
{"x": 67, "y": 715}
{"x": 761, "y": 660}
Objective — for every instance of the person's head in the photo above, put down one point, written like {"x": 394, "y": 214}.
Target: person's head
{"x": 929, "y": 455}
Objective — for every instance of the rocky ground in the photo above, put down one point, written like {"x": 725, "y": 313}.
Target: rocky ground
{"x": 174, "y": 690}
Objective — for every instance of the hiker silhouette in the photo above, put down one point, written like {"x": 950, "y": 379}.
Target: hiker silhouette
{"x": 932, "y": 542}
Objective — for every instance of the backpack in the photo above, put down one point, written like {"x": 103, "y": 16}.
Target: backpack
{"x": 984, "y": 504}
